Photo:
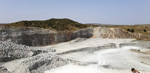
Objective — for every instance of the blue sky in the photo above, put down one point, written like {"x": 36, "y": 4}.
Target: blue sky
{"x": 83, "y": 11}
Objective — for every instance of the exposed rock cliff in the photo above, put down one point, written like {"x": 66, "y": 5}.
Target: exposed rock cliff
{"x": 40, "y": 36}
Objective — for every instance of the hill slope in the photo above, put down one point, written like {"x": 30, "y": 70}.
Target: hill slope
{"x": 57, "y": 24}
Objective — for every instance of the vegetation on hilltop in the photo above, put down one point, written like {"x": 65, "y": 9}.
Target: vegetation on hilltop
{"x": 143, "y": 29}
{"x": 58, "y": 24}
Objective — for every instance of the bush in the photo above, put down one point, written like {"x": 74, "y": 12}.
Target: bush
{"x": 144, "y": 30}
{"x": 130, "y": 30}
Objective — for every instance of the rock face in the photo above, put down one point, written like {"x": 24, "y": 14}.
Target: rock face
{"x": 39, "y": 36}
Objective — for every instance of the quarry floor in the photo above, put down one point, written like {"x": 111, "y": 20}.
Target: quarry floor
{"x": 110, "y": 60}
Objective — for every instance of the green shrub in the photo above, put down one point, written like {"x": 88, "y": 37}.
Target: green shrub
{"x": 144, "y": 30}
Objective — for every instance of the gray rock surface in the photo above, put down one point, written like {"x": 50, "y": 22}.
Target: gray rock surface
{"x": 3, "y": 70}
{"x": 89, "y": 49}
{"x": 41, "y": 37}
{"x": 142, "y": 44}
{"x": 24, "y": 59}
{"x": 11, "y": 51}
{"x": 35, "y": 64}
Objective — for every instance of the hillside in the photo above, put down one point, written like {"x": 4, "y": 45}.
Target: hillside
{"x": 57, "y": 24}
{"x": 142, "y": 31}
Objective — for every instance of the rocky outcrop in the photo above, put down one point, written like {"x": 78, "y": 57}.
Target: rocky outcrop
{"x": 11, "y": 51}
{"x": 142, "y": 44}
{"x": 39, "y": 36}
{"x": 35, "y": 64}
{"x": 3, "y": 70}
{"x": 89, "y": 49}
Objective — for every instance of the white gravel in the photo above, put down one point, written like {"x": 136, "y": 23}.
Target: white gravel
{"x": 118, "y": 60}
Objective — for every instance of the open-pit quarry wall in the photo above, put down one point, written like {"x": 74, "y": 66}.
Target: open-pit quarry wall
{"x": 42, "y": 37}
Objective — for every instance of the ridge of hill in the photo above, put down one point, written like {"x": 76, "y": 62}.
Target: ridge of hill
{"x": 57, "y": 24}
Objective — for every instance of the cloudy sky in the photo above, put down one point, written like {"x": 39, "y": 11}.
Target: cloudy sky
{"x": 83, "y": 11}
